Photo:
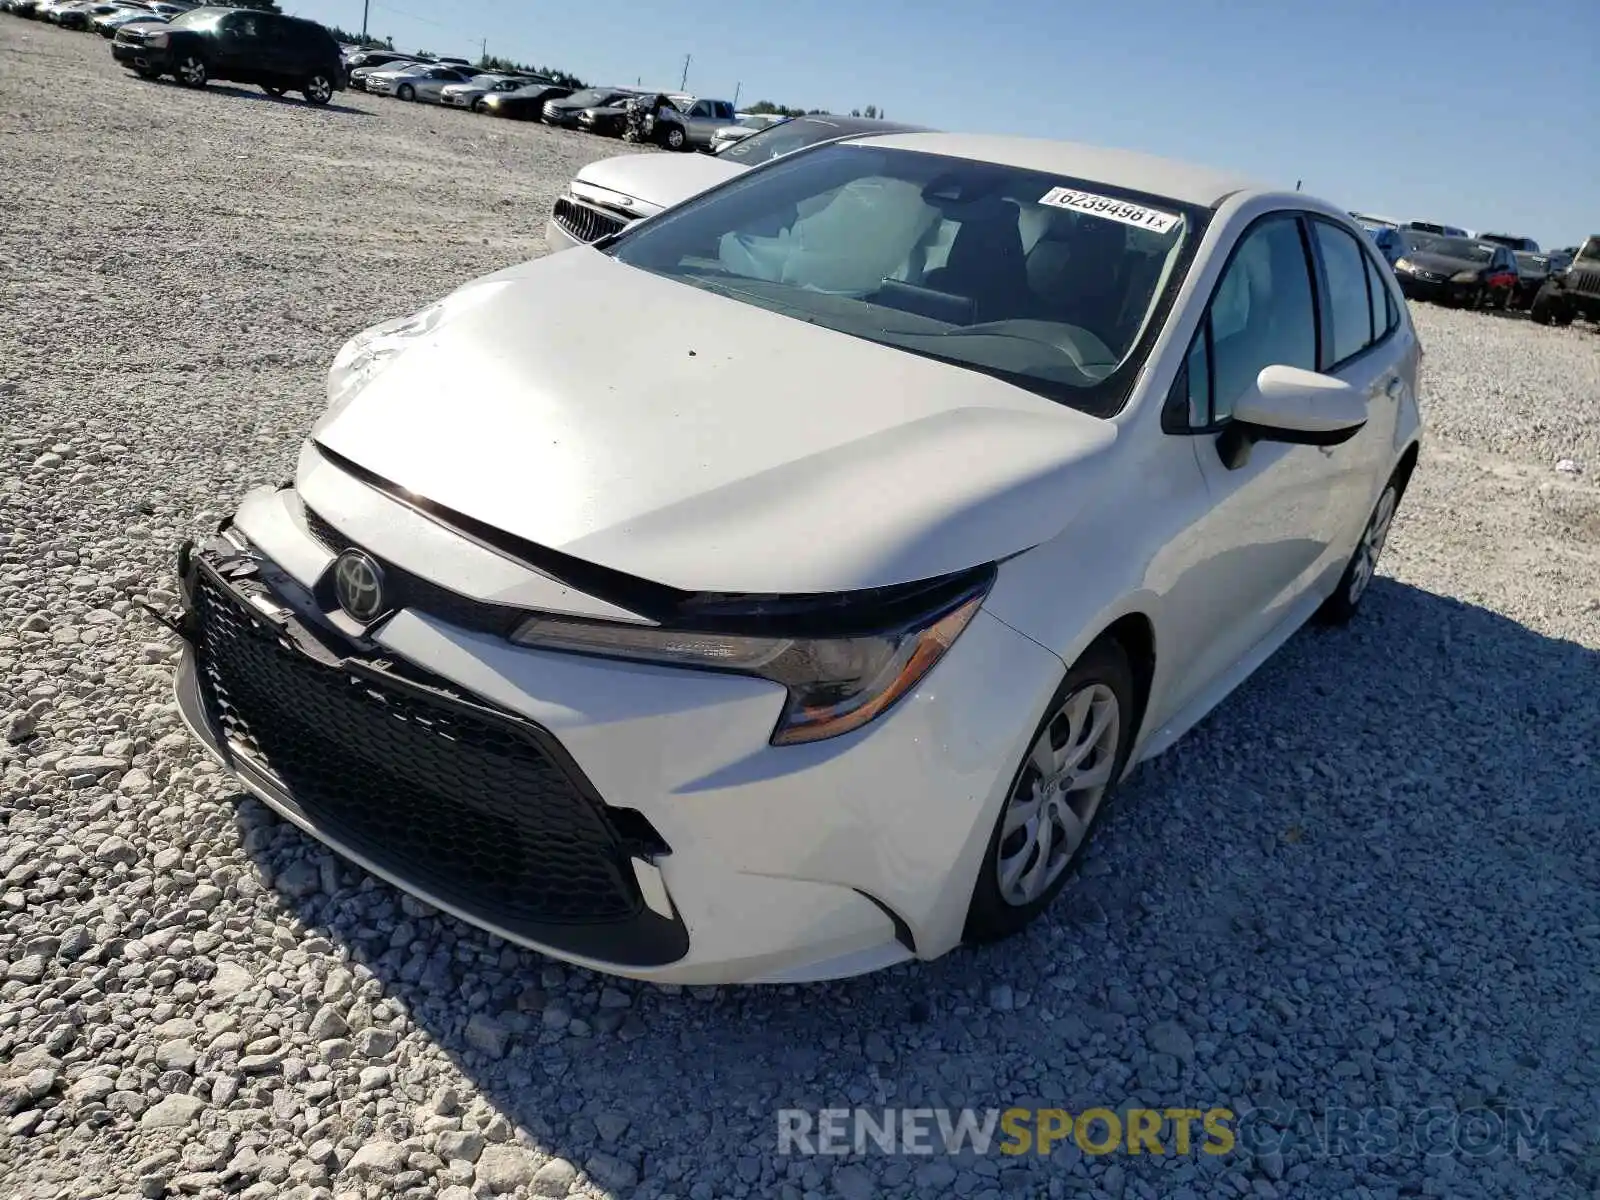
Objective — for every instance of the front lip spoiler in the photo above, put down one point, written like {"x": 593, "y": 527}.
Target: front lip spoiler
{"x": 652, "y": 939}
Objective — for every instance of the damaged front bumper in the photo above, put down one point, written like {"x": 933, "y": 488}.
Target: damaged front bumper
{"x": 473, "y": 809}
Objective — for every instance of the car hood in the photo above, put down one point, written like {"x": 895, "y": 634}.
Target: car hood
{"x": 660, "y": 180}
{"x": 728, "y": 448}
{"x": 1443, "y": 262}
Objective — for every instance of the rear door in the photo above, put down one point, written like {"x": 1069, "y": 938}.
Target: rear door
{"x": 1365, "y": 343}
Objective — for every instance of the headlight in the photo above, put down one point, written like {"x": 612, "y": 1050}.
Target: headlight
{"x": 1403, "y": 264}
{"x": 364, "y": 356}
{"x": 156, "y": 39}
{"x": 836, "y": 684}
{"x": 1465, "y": 277}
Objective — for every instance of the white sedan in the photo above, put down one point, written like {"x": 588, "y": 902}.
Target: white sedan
{"x": 807, "y": 628}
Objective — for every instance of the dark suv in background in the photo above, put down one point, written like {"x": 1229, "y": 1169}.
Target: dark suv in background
{"x": 281, "y": 54}
{"x": 1574, "y": 292}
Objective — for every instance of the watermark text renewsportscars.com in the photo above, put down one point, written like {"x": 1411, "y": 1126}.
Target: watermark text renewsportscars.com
{"x": 1216, "y": 1130}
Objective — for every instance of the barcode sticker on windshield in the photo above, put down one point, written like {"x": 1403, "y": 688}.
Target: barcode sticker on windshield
{"x": 1112, "y": 210}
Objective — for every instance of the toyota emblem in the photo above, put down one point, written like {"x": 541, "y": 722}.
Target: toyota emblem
{"x": 358, "y": 584}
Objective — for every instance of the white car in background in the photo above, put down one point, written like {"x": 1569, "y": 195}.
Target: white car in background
{"x": 743, "y": 127}
{"x": 804, "y": 626}
{"x": 608, "y": 195}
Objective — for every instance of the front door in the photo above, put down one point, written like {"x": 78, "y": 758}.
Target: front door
{"x": 1264, "y": 538}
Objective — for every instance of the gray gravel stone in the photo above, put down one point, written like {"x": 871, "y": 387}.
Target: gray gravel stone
{"x": 553, "y": 1180}
{"x": 504, "y": 1168}
{"x": 172, "y": 1112}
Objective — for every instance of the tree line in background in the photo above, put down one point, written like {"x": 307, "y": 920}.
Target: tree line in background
{"x": 767, "y": 107}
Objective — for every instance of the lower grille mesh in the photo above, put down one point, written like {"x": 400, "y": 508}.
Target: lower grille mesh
{"x": 467, "y": 806}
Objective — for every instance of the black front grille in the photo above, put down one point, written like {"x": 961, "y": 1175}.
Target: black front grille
{"x": 585, "y": 223}
{"x": 1586, "y": 283}
{"x": 475, "y": 807}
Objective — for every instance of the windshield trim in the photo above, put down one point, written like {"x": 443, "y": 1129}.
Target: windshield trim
{"x": 1104, "y": 399}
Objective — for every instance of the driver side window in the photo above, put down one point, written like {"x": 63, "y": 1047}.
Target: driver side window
{"x": 1261, "y": 314}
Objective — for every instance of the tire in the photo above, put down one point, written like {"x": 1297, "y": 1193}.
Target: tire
{"x": 478, "y": 105}
{"x": 405, "y": 92}
{"x": 675, "y": 137}
{"x": 1096, "y": 700}
{"x": 1341, "y": 607}
{"x": 318, "y": 89}
{"x": 1548, "y": 309}
{"x": 192, "y": 71}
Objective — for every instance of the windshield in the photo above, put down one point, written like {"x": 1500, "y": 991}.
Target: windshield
{"x": 1045, "y": 282}
{"x": 585, "y": 99}
{"x": 1536, "y": 263}
{"x": 1591, "y": 250}
{"x": 199, "y": 18}
{"x": 1450, "y": 247}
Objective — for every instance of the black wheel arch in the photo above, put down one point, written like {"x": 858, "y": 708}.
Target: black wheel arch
{"x": 1136, "y": 634}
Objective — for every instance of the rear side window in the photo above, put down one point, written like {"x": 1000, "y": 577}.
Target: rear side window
{"x": 1349, "y": 304}
{"x": 1384, "y": 314}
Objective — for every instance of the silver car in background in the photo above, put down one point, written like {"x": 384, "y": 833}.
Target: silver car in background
{"x": 471, "y": 93}
{"x": 417, "y": 81}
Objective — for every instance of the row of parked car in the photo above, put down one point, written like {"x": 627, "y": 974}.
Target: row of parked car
{"x": 678, "y": 120}
{"x": 104, "y": 17}
{"x": 1452, "y": 265}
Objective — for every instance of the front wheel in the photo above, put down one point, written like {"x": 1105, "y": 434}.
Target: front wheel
{"x": 406, "y": 92}
{"x": 1057, "y": 794}
{"x": 192, "y": 71}
{"x": 1339, "y": 608}
{"x": 675, "y": 137}
{"x": 479, "y": 106}
{"x": 318, "y": 89}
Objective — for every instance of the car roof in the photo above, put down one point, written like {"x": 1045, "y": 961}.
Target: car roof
{"x": 1129, "y": 169}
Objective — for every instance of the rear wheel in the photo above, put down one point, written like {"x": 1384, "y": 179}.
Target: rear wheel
{"x": 1057, "y": 794}
{"x": 318, "y": 89}
{"x": 192, "y": 71}
{"x": 1340, "y": 607}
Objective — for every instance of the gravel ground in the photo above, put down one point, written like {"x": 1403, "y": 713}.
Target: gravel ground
{"x": 1367, "y": 880}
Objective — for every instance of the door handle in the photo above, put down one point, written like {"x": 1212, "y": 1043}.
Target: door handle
{"x": 1394, "y": 388}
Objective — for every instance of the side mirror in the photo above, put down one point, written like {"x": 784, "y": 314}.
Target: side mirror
{"x": 1293, "y": 405}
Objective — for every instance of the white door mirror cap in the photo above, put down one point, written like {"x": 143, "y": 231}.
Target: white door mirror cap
{"x": 1292, "y": 400}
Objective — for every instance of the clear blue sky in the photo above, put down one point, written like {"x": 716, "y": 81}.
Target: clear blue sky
{"x": 1474, "y": 112}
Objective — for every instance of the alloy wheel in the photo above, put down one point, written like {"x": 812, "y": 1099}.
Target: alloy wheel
{"x": 1377, "y": 533}
{"x": 192, "y": 71}
{"x": 319, "y": 89}
{"x": 1049, "y": 812}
